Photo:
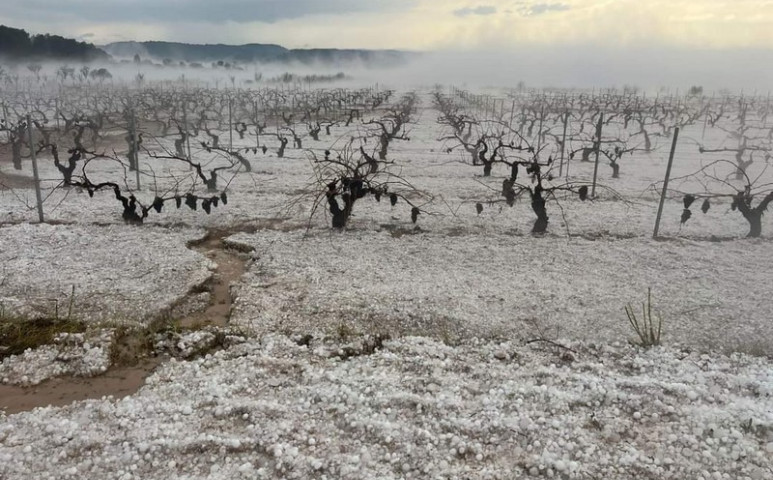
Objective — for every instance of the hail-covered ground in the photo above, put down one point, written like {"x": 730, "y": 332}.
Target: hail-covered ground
{"x": 457, "y": 347}
{"x": 416, "y": 408}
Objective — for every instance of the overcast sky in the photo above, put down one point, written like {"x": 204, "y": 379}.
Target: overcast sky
{"x": 648, "y": 43}
{"x": 407, "y": 24}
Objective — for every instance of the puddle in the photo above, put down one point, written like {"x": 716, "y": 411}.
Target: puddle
{"x": 118, "y": 382}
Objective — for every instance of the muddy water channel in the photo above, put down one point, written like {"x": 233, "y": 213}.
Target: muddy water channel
{"x": 123, "y": 380}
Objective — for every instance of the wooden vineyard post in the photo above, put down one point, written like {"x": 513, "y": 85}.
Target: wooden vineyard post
{"x": 539, "y": 129}
{"x": 230, "y": 124}
{"x": 38, "y": 196}
{"x": 665, "y": 183}
{"x": 257, "y": 130}
{"x": 563, "y": 147}
{"x": 134, "y": 161}
{"x": 597, "y": 148}
{"x": 185, "y": 123}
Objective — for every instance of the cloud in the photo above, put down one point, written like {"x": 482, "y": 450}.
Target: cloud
{"x": 480, "y": 10}
{"x": 239, "y": 11}
{"x": 542, "y": 8}
{"x": 408, "y": 24}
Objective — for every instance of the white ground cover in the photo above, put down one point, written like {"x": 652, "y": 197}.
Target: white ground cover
{"x": 710, "y": 294}
{"x": 74, "y": 354}
{"x": 120, "y": 273}
{"x": 489, "y": 408}
{"x": 416, "y": 409}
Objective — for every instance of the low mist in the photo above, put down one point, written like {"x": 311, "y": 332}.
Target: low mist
{"x": 586, "y": 68}
{"x": 648, "y": 69}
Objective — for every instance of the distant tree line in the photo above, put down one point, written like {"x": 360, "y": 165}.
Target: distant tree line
{"x": 17, "y": 44}
{"x": 254, "y": 52}
{"x": 291, "y": 78}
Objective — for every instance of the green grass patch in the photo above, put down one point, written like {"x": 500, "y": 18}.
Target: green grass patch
{"x": 17, "y": 334}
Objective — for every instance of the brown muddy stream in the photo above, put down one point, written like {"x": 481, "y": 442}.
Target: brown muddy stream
{"x": 121, "y": 381}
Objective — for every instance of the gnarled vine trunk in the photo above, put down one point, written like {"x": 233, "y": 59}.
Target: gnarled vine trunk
{"x": 538, "y": 205}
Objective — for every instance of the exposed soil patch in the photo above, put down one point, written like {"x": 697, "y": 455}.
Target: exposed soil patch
{"x": 398, "y": 231}
{"x": 604, "y": 236}
{"x": 369, "y": 346}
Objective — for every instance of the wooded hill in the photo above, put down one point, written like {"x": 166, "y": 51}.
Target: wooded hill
{"x": 253, "y": 52}
{"x": 17, "y": 45}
